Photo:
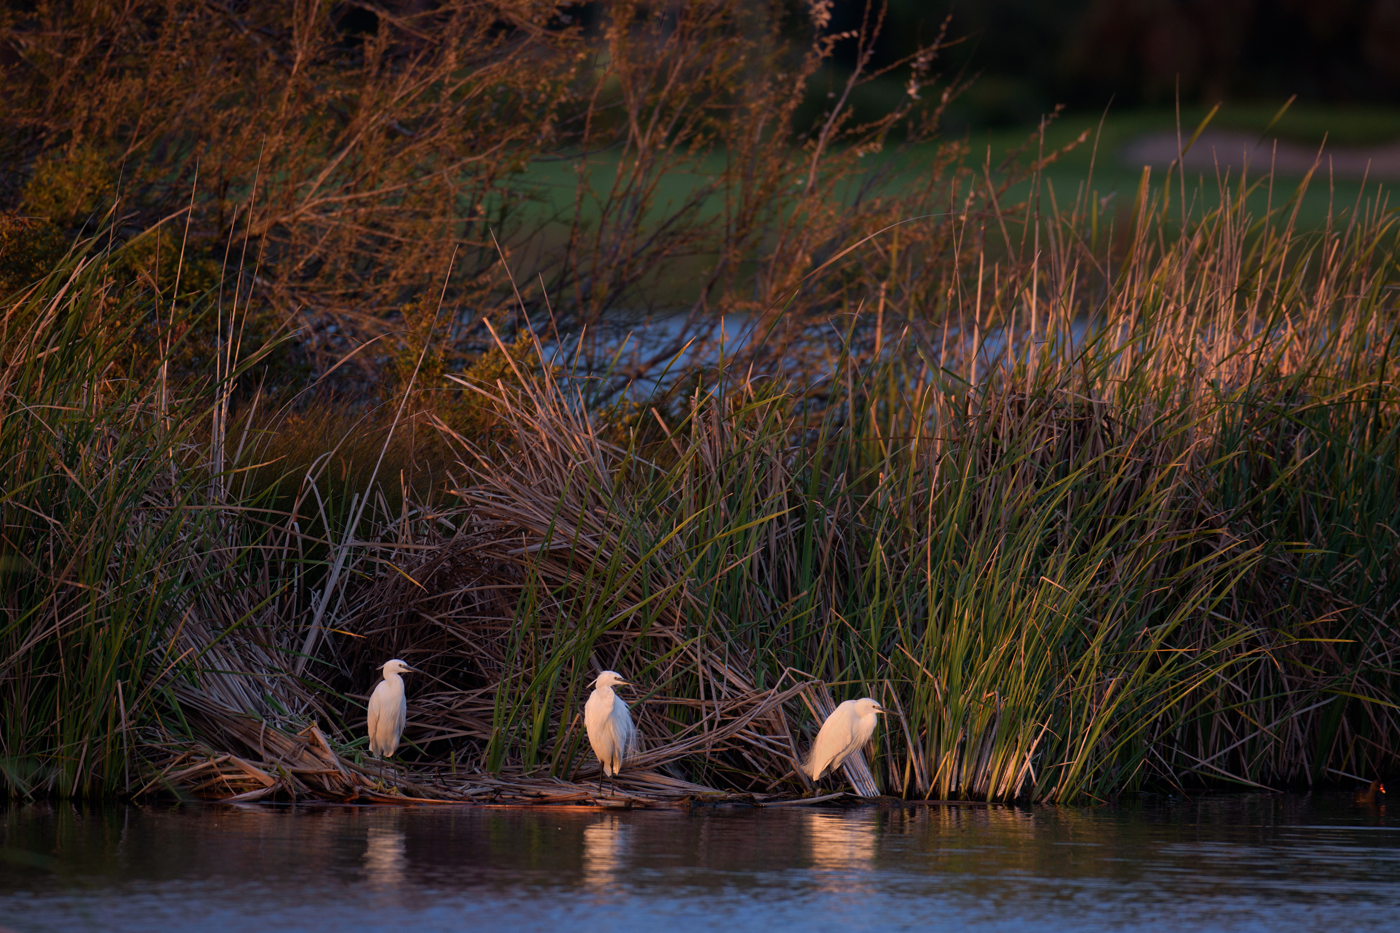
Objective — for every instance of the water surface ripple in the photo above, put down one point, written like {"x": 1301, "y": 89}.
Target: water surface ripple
{"x": 1240, "y": 863}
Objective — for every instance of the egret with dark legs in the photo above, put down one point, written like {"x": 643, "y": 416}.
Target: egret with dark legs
{"x": 609, "y": 725}
{"x": 388, "y": 711}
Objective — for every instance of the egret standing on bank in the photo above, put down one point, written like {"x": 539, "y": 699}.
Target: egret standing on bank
{"x": 848, "y": 727}
{"x": 388, "y": 709}
{"x": 609, "y": 724}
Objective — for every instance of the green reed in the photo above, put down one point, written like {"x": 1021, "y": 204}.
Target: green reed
{"x": 1142, "y": 536}
{"x": 1157, "y": 553}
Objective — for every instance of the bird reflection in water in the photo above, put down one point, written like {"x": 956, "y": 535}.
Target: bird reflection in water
{"x": 842, "y": 846}
{"x": 604, "y": 850}
{"x": 385, "y": 859}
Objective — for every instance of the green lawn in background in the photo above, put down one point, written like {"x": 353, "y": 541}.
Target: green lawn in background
{"x": 1114, "y": 181}
{"x": 1110, "y": 133}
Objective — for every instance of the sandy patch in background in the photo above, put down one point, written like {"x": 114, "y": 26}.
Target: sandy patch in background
{"x": 1233, "y": 149}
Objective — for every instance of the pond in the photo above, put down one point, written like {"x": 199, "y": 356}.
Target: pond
{"x": 1266, "y": 862}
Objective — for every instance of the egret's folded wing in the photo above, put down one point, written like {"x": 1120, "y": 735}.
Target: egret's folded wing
{"x": 375, "y": 719}
{"x": 401, "y": 717}
{"x": 624, "y": 730}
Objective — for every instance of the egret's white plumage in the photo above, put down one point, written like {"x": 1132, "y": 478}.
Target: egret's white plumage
{"x": 388, "y": 709}
{"x": 848, "y": 727}
{"x": 609, "y": 724}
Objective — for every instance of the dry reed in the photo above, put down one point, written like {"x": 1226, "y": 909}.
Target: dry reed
{"x": 1095, "y": 504}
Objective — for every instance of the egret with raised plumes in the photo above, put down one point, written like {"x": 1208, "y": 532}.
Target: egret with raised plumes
{"x": 609, "y": 724}
{"x": 848, "y": 727}
{"x": 388, "y": 709}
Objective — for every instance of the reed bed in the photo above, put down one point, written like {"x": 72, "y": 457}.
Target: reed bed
{"x": 1115, "y": 509}
{"x": 365, "y": 156}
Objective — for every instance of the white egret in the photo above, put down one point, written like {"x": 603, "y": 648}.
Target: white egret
{"x": 609, "y": 724}
{"x": 848, "y": 727}
{"x": 388, "y": 709}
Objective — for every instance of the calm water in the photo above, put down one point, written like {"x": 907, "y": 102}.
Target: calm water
{"x": 1244, "y": 863}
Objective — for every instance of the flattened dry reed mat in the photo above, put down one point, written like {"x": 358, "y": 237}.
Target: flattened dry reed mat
{"x": 277, "y": 765}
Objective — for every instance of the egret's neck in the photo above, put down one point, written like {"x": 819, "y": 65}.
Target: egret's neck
{"x": 393, "y": 677}
{"x": 605, "y": 690}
